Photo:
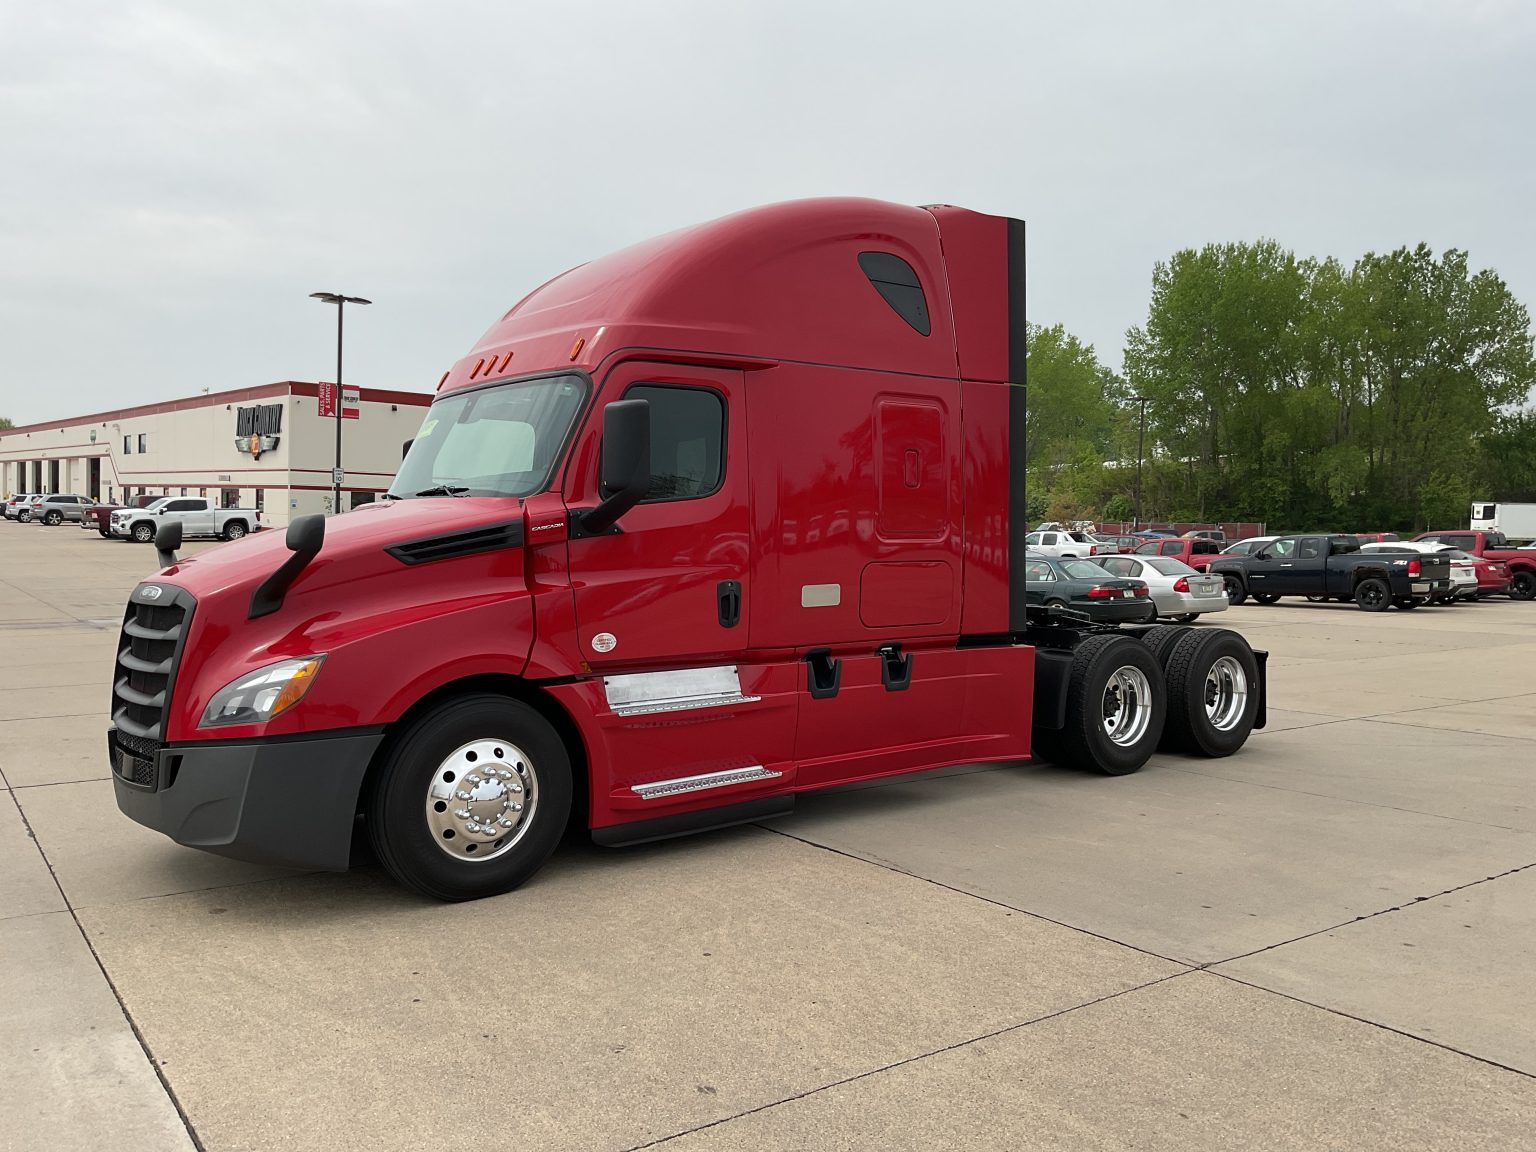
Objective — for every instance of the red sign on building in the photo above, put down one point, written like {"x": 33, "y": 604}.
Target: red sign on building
{"x": 351, "y": 401}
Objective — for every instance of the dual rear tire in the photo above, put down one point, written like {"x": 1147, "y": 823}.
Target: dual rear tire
{"x": 1175, "y": 689}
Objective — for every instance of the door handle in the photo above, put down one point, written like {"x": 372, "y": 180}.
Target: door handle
{"x": 1285, "y": 564}
{"x": 728, "y": 602}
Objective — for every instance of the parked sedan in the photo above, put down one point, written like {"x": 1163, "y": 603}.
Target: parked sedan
{"x": 1493, "y": 576}
{"x": 1249, "y": 546}
{"x": 1175, "y": 588}
{"x": 1085, "y": 587}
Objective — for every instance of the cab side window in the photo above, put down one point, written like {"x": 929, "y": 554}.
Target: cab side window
{"x": 1172, "y": 547}
{"x": 1310, "y": 549}
{"x": 1283, "y": 549}
{"x": 1038, "y": 571}
{"x": 687, "y": 440}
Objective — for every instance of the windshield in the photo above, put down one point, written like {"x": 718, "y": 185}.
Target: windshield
{"x": 160, "y": 503}
{"x": 497, "y": 441}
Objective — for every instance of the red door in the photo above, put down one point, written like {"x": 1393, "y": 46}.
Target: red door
{"x": 671, "y": 586}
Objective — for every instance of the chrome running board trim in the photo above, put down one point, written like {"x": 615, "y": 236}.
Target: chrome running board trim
{"x": 676, "y": 787}
{"x": 679, "y": 690}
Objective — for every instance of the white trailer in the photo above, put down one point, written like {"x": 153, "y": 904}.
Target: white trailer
{"x": 1516, "y": 521}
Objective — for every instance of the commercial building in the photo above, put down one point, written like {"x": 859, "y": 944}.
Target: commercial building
{"x": 266, "y": 447}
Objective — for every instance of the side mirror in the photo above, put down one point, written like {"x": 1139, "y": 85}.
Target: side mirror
{"x": 405, "y": 449}
{"x": 305, "y": 537}
{"x": 626, "y": 465}
{"x": 167, "y": 540}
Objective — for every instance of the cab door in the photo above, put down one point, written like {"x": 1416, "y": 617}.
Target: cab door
{"x": 669, "y": 585}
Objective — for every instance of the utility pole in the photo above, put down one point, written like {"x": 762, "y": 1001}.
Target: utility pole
{"x": 341, "y": 303}
{"x": 1141, "y": 445}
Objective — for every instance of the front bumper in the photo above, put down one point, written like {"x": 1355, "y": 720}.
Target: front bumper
{"x": 284, "y": 801}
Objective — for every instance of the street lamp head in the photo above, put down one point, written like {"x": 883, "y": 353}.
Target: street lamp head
{"x": 337, "y": 298}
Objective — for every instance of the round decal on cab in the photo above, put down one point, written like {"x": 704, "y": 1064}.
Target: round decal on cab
{"x": 604, "y": 642}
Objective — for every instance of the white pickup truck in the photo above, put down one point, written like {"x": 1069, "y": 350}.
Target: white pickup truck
{"x": 198, "y": 516}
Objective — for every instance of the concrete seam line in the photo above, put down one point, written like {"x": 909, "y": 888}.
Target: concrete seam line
{"x": 1371, "y": 915}
{"x": 857, "y": 1076}
{"x": 1324, "y": 796}
{"x": 165, "y": 1084}
{"x": 1376, "y": 1024}
{"x": 978, "y": 897}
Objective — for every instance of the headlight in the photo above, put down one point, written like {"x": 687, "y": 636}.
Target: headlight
{"x": 260, "y": 695}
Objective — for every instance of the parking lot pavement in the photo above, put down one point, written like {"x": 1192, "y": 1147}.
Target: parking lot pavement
{"x": 1323, "y": 941}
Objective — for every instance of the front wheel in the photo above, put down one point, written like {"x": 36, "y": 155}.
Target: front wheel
{"x": 1116, "y": 706}
{"x": 1373, "y": 595}
{"x": 234, "y": 530}
{"x": 1523, "y": 586}
{"x": 144, "y": 533}
{"x": 1236, "y": 593}
{"x": 470, "y": 799}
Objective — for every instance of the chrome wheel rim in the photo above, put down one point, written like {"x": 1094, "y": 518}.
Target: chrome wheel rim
{"x": 1226, "y": 694}
{"x": 235, "y": 531}
{"x": 481, "y": 800}
{"x": 1127, "y": 706}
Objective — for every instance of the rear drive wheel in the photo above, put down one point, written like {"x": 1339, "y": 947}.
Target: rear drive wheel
{"x": 1116, "y": 705}
{"x": 470, "y": 799}
{"x": 1523, "y": 586}
{"x": 24, "y": 517}
{"x": 234, "y": 530}
{"x": 144, "y": 533}
{"x": 1213, "y": 693}
{"x": 1161, "y": 639}
{"x": 1236, "y": 593}
{"x": 1373, "y": 595}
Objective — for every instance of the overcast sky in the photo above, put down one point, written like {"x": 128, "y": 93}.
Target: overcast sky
{"x": 175, "y": 178}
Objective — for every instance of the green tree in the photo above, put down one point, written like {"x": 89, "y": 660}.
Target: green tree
{"x": 5, "y": 423}
{"x": 1071, "y": 398}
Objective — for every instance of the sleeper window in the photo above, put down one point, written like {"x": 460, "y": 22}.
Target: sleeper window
{"x": 687, "y": 440}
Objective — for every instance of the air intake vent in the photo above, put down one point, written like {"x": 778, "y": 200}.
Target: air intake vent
{"x": 453, "y": 544}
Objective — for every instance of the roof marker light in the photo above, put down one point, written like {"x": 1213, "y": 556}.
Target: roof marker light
{"x": 479, "y": 364}
{"x": 444, "y": 380}
{"x": 577, "y": 347}
{"x": 505, "y": 360}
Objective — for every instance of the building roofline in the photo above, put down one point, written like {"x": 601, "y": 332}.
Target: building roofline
{"x": 210, "y": 399}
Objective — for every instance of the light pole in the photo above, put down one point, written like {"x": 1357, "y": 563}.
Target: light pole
{"x": 341, "y": 303}
{"x": 1141, "y": 445}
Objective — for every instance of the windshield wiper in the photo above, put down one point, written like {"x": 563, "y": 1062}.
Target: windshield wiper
{"x": 445, "y": 490}
{"x": 392, "y": 496}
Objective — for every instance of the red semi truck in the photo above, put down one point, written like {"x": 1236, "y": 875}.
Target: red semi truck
{"x": 725, "y": 517}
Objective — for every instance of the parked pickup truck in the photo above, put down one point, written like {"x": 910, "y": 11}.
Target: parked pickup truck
{"x": 1333, "y": 567}
{"x": 1196, "y": 551}
{"x": 197, "y": 514}
{"x": 98, "y": 517}
{"x": 1521, "y": 562}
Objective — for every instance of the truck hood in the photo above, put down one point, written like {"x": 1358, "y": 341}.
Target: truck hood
{"x": 355, "y": 544}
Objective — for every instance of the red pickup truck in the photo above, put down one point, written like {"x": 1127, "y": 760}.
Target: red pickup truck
{"x": 1494, "y": 547}
{"x": 1197, "y": 552}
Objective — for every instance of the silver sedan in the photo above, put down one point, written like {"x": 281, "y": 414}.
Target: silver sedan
{"x": 1177, "y": 589}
